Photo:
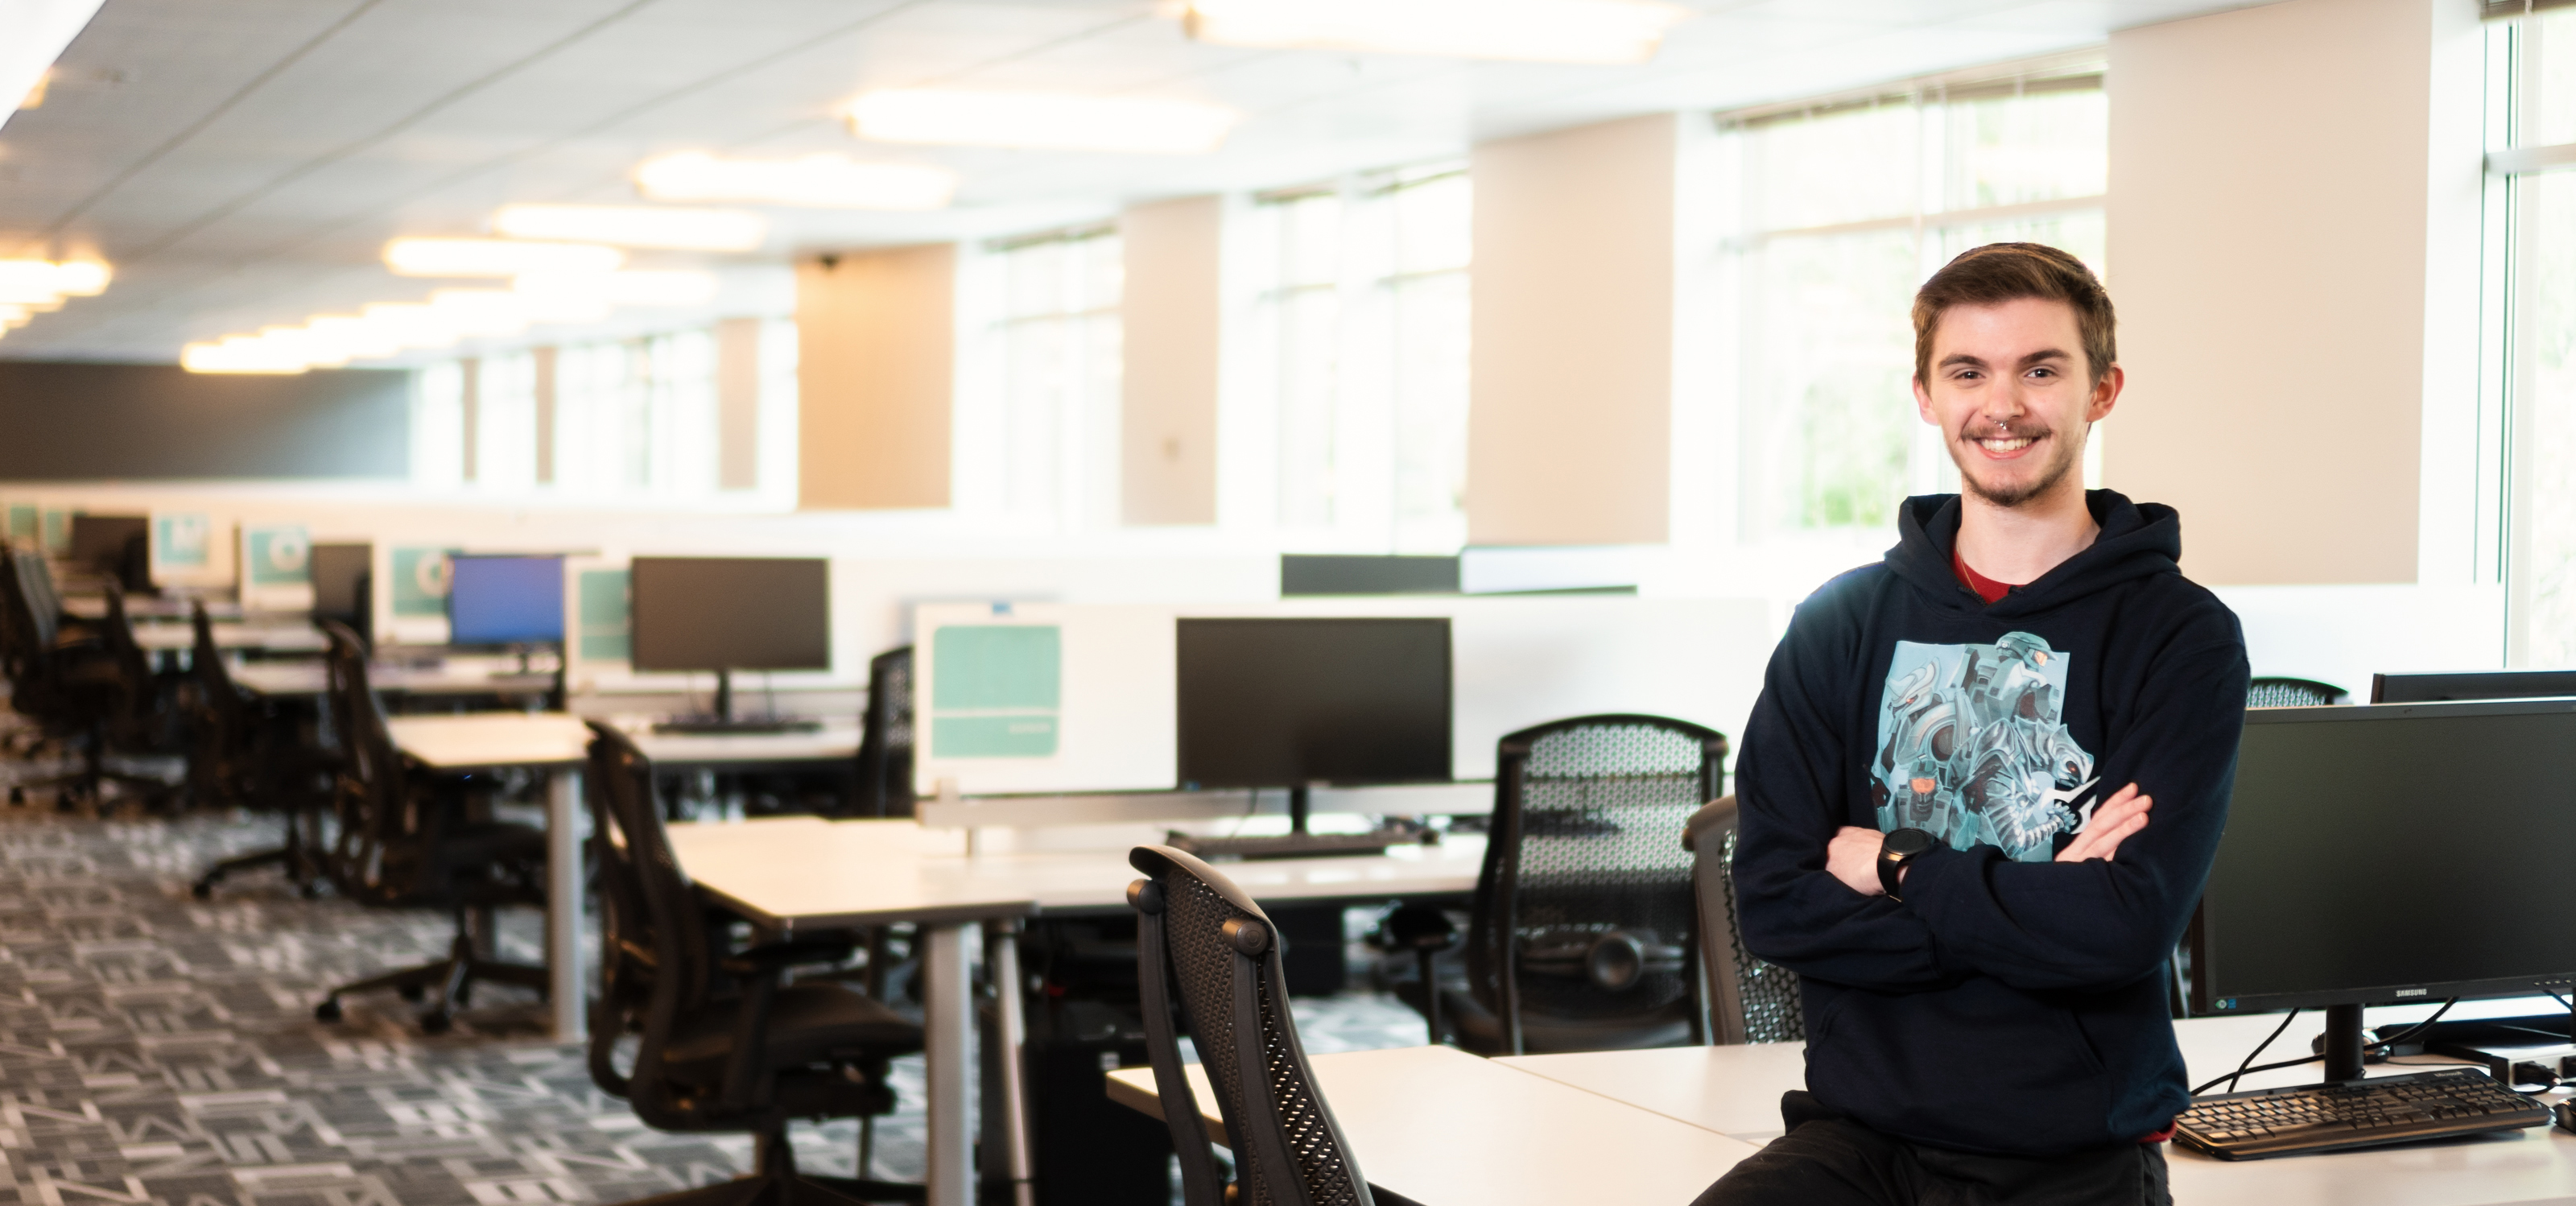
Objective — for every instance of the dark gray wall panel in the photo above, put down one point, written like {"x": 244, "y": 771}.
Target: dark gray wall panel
{"x": 80, "y": 422}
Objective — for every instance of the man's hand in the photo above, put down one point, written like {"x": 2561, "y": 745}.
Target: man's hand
{"x": 1853, "y": 859}
{"x": 2123, "y": 814}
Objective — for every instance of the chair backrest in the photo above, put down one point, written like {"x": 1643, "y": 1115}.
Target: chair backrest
{"x": 655, "y": 961}
{"x": 885, "y": 739}
{"x": 379, "y": 824}
{"x": 1194, "y": 927}
{"x": 1749, "y": 1001}
{"x": 1583, "y": 909}
{"x": 2292, "y": 693}
{"x": 133, "y": 667}
{"x": 221, "y": 755}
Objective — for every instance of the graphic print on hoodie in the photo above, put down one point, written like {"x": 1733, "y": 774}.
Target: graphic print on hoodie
{"x": 1973, "y": 747}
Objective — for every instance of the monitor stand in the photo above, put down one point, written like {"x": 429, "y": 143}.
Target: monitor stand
{"x": 2543, "y": 1047}
{"x": 724, "y": 721}
{"x": 1297, "y": 842}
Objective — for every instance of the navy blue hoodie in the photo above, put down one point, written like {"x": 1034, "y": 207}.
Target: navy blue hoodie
{"x": 2009, "y": 1004}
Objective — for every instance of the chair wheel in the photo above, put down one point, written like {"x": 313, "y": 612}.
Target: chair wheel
{"x": 327, "y": 1011}
{"x": 17, "y": 795}
{"x": 203, "y": 889}
{"x": 310, "y": 891}
{"x": 413, "y": 993}
{"x": 436, "y": 1023}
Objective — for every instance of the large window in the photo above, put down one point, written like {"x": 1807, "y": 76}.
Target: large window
{"x": 1832, "y": 214}
{"x": 1038, "y": 424}
{"x": 1359, "y": 358}
{"x": 2532, "y": 201}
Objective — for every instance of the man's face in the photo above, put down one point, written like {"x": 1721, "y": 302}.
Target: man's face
{"x": 2012, "y": 396}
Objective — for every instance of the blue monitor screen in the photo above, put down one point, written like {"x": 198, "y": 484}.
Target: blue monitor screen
{"x": 505, "y": 600}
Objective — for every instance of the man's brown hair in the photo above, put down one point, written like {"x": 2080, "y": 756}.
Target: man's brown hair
{"x": 2001, "y": 272}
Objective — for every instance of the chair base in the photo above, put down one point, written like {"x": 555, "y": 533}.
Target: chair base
{"x": 295, "y": 858}
{"x": 454, "y": 977}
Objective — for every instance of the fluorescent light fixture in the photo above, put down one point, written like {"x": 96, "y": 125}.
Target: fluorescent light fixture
{"x": 480, "y": 311}
{"x": 82, "y": 278}
{"x": 350, "y": 337}
{"x": 1040, "y": 121}
{"x": 238, "y": 354}
{"x": 42, "y": 284}
{"x": 296, "y": 343}
{"x": 1536, "y": 31}
{"x": 618, "y": 288}
{"x": 496, "y": 257}
{"x": 817, "y": 181}
{"x": 411, "y": 324}
{"x": 635, "y": 226}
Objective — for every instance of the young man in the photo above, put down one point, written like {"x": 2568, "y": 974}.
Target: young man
{"x": 1947, "y": 790}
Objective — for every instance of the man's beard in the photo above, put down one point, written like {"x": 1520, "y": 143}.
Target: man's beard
{"x": 2066, "y": 456}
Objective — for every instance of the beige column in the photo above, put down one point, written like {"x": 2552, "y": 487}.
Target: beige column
{"x": 738, "y": 404}
{"x": 876, "y": 336}
{"x": 1167, "y": 417}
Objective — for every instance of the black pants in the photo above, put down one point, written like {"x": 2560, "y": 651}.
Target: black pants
{"x": 1828, "y": 1160}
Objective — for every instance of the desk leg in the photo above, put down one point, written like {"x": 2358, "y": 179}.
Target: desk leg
{"x": 565, "y": 990}
{"x": 1002, "y": 958}
{"x": 948, "y": 1027}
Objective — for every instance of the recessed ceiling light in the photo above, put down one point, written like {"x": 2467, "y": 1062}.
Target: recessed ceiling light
{"x": 818, "y": 181}
{"x": 481, "y": 311}
{"x": 1538, "y": 31}
{"x": 410, "y": 324}
{"x": 351, "y": 337}
{"x": 239, "y": 354}
{"x": 496, "y": 257}
{"x": 42, "y": 284}
{"x": 635, "y": 226}
{"x": 1040, "y": 121}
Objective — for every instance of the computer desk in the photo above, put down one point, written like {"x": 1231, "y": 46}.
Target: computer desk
{"x": 289, "y": 679}
{"x": 1735, "y": 1091}
{"x": 273, "y": 636}
{"x": 554, "y": 744}
{"x": 1441, "y": 1127}
{"x": 148, "y": 608}
{"x": 792, "y": 874}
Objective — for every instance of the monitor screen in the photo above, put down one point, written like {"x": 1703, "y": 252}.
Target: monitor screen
{"x": 2482, "y": 684}
{"x": 731, "y": 613}
{"x": 98, "y": 541}
{"x": 1292, "y": 702}
{"x": 340, "y": 573}
{"x": 2387, "y": 854}
{"x": 505, "y": 600}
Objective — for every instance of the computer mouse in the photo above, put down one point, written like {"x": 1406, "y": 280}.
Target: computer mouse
{"x": 2565, "y": 1113}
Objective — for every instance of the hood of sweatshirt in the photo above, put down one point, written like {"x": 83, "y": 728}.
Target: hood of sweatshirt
{"x": 2136, "y": 540}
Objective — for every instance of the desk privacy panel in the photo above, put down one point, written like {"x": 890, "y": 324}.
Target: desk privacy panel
{"x": 276, "y": 567}
{"x": 1514, "y": 662}
{"x": 190, "y": 548}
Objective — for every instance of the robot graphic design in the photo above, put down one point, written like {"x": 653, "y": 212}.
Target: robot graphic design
{"x": 1972, "y": 747}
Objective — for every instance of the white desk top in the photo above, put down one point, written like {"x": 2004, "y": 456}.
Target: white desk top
{"x": 311, "y": 678}
{"x": 841, "y": 873}
{"x": 276, "y": 636}
{"x": 838, "y": 739}
{"x": 1440, "y": 1126}
{"x": 144, "y": 608}
{"x": 477, "y": 739}
{"x": 1736, "y": 1091}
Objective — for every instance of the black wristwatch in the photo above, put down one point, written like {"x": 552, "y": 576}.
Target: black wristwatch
{"x": 1897, "y": 849}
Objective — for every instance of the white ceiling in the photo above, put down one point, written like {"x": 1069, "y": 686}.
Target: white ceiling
{"x": 241, "y": 163}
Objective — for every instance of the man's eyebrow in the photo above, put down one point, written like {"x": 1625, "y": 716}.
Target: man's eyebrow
{"x": 1962, "y": 358}
{"x": 2045, "y": 354}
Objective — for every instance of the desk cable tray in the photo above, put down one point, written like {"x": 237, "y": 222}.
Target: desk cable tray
{"x": 2358, "y": 1113}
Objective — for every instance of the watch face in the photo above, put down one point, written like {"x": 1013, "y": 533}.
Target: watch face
{"x": 1906, "y": 843}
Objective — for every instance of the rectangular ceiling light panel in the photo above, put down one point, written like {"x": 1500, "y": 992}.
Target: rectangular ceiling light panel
{"x": 815, "y": 181}
{"x": 1040, "y": 121}
{"x": 496, "y": 257}
{"x": 1534, "y": 31}
{"x": 636, "y": 226}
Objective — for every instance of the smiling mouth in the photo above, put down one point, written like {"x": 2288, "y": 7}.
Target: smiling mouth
{"x": 2005, "y": 445}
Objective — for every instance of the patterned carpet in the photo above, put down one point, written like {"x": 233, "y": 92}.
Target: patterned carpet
{"x": 159, "y": 1049}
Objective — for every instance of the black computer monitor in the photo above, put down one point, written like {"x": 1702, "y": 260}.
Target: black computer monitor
{"x": 2390, "y": 854}
{"x": 112, "y": 544}
{"x": 505, "y": 601}
{"x": 730, "y": 613}
{"x": 1295, "y": 702}
{"x": 343, "y": 578}
{"x": 2476, "y": 684}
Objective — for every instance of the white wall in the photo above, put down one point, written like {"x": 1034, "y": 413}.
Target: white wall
{"x": 1169, "y": 311}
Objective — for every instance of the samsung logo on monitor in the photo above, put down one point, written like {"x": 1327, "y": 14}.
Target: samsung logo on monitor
{"x": 2410, "y": 992}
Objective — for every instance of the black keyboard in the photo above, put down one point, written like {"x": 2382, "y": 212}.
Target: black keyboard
{"x": 716, "y": 727}
{"x": 2356, "y": 1113}
{"x": 1291, "y": 845}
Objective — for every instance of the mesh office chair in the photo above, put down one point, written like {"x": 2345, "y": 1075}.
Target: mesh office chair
{"x": 725, "y": 1043}
{"x": 1582, "y": 934}
{"x": 1196, "y": 928}
{"x": 409, "y": 843}
{"x": 1749, "y": 1001}
{"x": 885, "y": 740}
{"x": 2292, "y": 693}
{"x": 244, "y": 755}
{"x": 38, "y": 655}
